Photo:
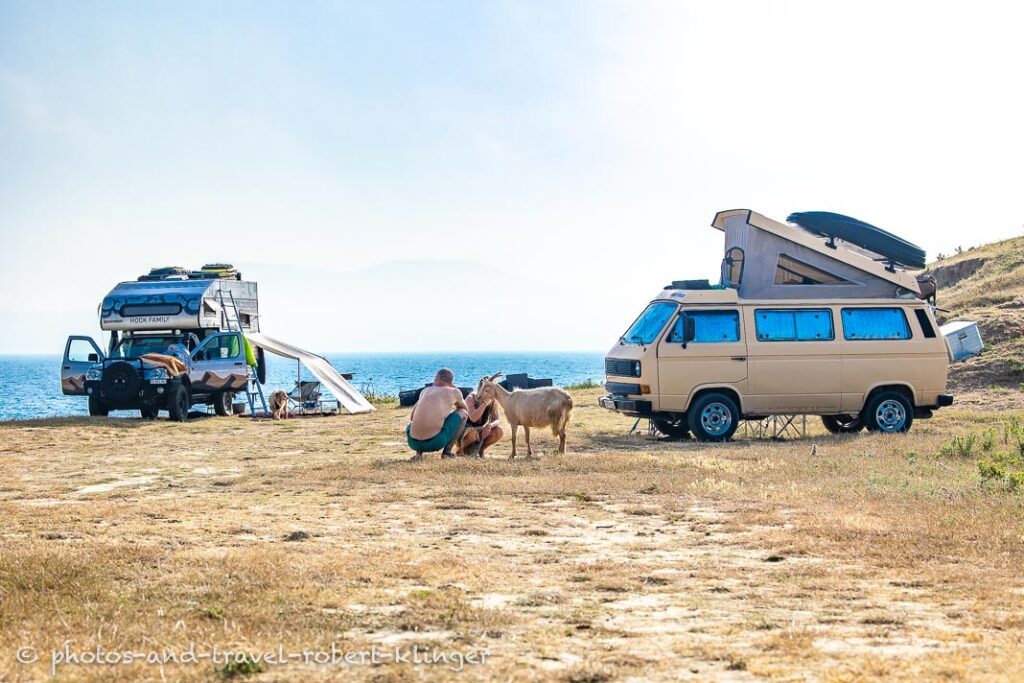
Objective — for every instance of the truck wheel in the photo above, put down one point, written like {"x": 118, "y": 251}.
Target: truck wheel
{"x": 842, "y": 424}
{"x": 98, "y": 408}
{"x": 149, "y": 413}
{"x": 222, "y": 403}
{"x": 713, "y": 417}
{"x": 178, "y": 403}
{"x": 676, "y": 429}
{"x": 888, "y": 411}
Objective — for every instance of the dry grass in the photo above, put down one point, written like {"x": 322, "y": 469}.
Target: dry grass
{"x": 874, "y": 558}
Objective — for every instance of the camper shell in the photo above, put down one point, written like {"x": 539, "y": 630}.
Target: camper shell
{"x": 196, "y": 305}
{"x": 798, "y": 324}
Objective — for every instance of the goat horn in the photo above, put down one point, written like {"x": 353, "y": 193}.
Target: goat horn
{"x": 496, "y": 376}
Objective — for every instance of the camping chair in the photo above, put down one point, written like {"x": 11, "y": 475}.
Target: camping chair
{"x": 306, "y": 395}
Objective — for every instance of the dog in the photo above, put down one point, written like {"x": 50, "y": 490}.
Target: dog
{"x": 279, "y": 405}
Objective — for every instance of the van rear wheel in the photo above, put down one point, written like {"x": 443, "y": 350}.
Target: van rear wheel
{"x": 842, "y": 424}
{"x": 890, "y": 412}
{"x": 713, "y": 417}
{"x": 675, "y": 429}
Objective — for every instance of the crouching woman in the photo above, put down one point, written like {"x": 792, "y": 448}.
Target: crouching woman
{"x": 483, "y": 428}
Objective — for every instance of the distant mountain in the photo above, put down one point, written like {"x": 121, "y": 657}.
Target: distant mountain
{"x": 413, "y": 306}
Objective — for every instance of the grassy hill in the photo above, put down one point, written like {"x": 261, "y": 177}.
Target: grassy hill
{"x": 986, "y": 284}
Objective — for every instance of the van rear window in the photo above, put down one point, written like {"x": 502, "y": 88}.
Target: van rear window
{"x": 794, "y": 324}
{"x": 875, "y": 323}
{"x": 925, "y": 323}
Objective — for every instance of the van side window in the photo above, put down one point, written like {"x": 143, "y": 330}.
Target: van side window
{"x": 794, "y": 324}
{"x": 709, "y": 327}
{"x": 925, "y": 323}
{"x": 875, "y": 323}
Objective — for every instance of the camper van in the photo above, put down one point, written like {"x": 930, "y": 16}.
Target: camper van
{"x": 196, "y": 316}
{"x": 820, "y": 320}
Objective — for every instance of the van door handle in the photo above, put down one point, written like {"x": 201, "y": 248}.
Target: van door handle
{"x": 739, "y": 358}
{"x": 238, "y": 365}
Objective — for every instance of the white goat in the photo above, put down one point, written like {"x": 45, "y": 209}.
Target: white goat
{"x": 542, "y": 407}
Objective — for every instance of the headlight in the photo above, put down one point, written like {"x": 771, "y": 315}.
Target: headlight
{"x": 636, "y": 368}
{"x": 158, "y": 373}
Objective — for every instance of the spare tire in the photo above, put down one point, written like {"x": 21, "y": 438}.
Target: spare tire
{"x": 121, "y": 382}
{"x": 261, "y": 365}
{"x": 864, "y": 235}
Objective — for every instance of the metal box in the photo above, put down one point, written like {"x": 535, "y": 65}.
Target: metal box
{"x": 963, "y": 339}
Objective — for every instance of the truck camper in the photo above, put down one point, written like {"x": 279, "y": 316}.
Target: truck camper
{"x": 819, "y": 316}
{"x": 179, "y": 338}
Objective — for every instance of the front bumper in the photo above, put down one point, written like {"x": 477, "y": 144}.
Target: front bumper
{"x": 625, "y": 405}
{"x": 150, "y": 393}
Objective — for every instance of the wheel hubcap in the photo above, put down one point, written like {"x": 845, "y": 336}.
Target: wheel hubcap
{"x": 891, "y": 415}
{"x": 716, "y": 419}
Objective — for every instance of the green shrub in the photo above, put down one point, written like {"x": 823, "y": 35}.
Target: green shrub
{"x": 586, "y": 384}
{"x": 1005, "y": 469}
{"x": 960, "y": 446}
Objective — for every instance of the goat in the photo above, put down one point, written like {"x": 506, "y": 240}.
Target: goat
{"x": 542, "y": 407}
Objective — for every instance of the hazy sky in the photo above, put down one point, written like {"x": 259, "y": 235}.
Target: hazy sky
{"x": 583, "y": 147}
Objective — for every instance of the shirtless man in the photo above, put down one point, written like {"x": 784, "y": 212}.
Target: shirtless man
{"x": 437, "y": 418}
{"x": 482, "y": 426}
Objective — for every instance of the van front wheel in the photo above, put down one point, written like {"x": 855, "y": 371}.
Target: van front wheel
{"x": 713, "y": 417}
{"x": 842, "y": 424}
{"x": 889, "y": 411}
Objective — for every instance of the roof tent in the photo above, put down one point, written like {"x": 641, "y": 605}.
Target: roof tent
{"x": 765, "y": 259}
{"x": 349, "y": 398}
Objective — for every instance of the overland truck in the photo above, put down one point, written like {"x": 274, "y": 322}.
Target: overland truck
{"x": 815, "y": 317}
{"x": 198, "y": 317}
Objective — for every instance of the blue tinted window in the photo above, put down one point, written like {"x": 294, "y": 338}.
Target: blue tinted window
{"x": 650, "y": 323}
{"x": 709, "y": 327}
{"x": 875, "y": 323}
{"x": 793, "y": 325}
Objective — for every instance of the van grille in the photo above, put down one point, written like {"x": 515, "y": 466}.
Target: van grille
{"x": 620, "y": 367}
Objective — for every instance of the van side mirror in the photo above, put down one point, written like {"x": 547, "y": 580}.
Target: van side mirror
{"x": 689, "y": 330}
{"x": 94, "y": 358}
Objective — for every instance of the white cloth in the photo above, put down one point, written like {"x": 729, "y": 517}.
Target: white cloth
{"x": 349, "y": 398}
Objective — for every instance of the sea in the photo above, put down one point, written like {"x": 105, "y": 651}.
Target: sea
{"x": 30, "y": 385}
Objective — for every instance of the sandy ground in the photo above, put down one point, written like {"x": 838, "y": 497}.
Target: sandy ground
{"x": 630, "y": 558}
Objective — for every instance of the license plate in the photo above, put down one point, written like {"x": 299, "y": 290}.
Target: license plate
{"x": 158, "y": 381}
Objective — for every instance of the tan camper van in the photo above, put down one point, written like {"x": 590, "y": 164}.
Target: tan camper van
{"x": 826, "y": 331}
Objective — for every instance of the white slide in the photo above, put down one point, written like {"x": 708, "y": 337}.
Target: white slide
{"x": 349, "y": 398}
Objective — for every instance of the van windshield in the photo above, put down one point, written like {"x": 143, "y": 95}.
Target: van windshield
{"x": 136, "y": 347}
{"x": 650, "y": 323}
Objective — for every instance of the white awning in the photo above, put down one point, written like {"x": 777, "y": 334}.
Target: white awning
{"x": 349, "y": 398}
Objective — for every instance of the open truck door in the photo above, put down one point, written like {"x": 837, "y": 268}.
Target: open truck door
{"x": 80, "y": 354}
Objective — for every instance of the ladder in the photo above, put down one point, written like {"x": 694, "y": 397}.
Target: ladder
{"x": 253, "y": 388}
